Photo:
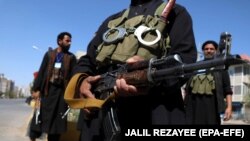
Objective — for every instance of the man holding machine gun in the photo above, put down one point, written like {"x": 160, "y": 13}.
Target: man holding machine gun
{"x": 147, "y": 29}
{"x": 206, "y": 92}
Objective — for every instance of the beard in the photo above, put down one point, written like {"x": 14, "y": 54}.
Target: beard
{"x": 209, "y": 56}
{"x": 65, "y": 48}
{"x": 138, "y": 2}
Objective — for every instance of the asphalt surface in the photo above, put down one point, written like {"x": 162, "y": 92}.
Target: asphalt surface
{"x": 235, "y": 122}
{"x": 15, "y": 116}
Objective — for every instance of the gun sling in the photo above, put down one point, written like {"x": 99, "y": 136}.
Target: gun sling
{"x": 79, "y": 103}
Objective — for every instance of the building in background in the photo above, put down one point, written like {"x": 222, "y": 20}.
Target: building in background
{"x": 7, "y": 87}
{"x": 240, "y": 81}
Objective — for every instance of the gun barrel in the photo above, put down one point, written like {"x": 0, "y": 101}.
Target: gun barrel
{"x": 183, "y": 69}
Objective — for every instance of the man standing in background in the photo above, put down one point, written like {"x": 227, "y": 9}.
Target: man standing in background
{"x": 53, "y": 76}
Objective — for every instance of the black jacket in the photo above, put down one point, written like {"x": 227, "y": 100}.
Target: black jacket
{"x": 146, "y": 109}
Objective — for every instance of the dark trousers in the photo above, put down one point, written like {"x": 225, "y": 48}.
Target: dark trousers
{"x": 53, "y": 137}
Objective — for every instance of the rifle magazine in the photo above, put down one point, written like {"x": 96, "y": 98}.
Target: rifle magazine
{"x": 111, "y": 126}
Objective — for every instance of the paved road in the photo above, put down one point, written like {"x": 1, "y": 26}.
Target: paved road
{"x": 235, "y": 122}
{"x": 14, "y": 117}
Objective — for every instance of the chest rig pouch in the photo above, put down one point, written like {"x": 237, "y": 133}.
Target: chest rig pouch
{"x": 140, "y": 35}
{"x": 203, "y": 84}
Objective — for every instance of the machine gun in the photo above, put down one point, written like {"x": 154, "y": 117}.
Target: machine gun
{"x": 150, "y": 72}
{"x": 158, "y": 70}
{"x": 145, "y": 73}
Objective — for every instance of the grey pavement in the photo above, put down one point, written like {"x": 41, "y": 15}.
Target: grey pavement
{"x": 235, "y": 122}
{"x": 15, "y": 115}
{"x": 14, "y": 118}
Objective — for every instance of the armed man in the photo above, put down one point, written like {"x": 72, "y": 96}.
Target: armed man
{"x": 147, "y": 29}
{"x": 132, "y": 74}
{"x": 206, "y": 92}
